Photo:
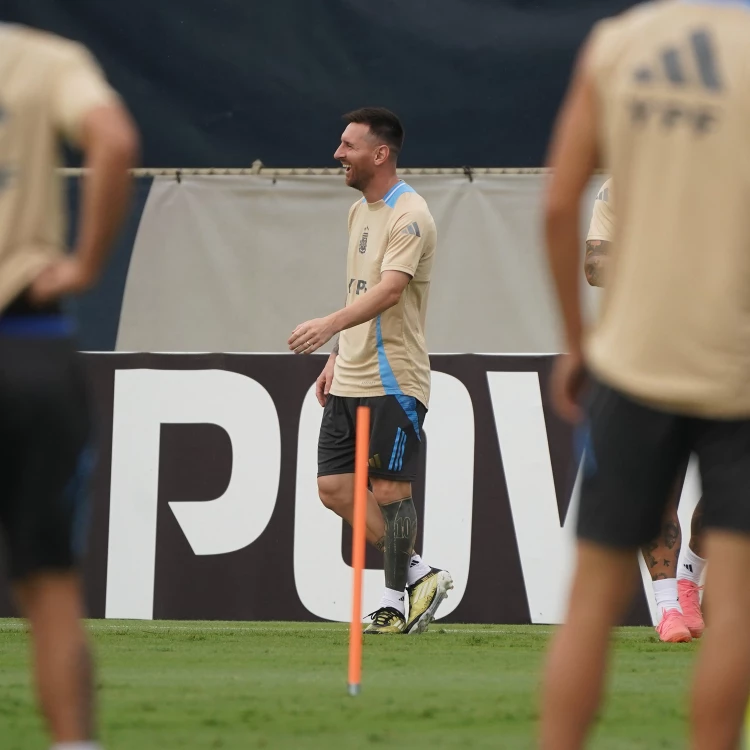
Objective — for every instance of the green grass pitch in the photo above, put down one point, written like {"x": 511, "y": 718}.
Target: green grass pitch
{"x": 207, "y": 685}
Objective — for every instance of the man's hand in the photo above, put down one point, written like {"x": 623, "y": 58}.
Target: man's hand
{"x": 324, "y": 381}
{"x": 310, "y": 336}
{"x": 568, "y": 378}
{"x": 59, "y": 279}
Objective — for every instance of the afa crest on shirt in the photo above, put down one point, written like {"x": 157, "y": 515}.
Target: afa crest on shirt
{"x": 363, "y": 240}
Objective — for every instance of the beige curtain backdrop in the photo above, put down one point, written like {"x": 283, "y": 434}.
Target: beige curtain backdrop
{"x": 234, "y": 263}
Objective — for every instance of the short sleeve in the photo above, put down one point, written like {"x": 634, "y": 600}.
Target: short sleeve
{"x": 79, "y": 87}
{"x": 602, "y": 225}
{"x": 405, "y": 244}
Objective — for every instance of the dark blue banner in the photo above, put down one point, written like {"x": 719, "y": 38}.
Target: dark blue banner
{"x": 476, "y": 82}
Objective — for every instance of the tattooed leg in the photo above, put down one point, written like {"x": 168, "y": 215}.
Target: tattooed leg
{"x": 661, "y": 554}
{"x": 400, "y": 534}
{"x": 661, "y": 557}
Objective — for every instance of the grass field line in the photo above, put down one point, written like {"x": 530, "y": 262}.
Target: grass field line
{"x": 251, "y": 627}
{"x": 271, "y": 629}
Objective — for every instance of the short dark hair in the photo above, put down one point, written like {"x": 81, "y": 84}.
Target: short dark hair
{"x": 383, "y": 124}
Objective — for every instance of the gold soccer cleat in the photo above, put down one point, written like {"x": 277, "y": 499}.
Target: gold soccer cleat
{"x": 425, "y": 596}
{"x": 386, "y": 621}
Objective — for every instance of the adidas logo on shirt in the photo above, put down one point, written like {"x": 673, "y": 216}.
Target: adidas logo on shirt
{"x": 679, "y": 67}
{"x": 692, "y": 67}
{"x": 413, "y": 228}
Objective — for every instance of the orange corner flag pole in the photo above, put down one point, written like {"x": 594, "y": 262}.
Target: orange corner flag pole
{"x": 358, "y": 547}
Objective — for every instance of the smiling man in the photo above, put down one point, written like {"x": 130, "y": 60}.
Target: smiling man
{"x": 380, "y": 361}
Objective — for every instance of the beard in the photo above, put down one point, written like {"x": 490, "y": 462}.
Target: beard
{"x": 357, "y": 180}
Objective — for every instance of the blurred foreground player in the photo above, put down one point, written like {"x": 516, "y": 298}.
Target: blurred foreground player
{"x": 51, "y": 91}
{"x": 380, "y": 361}
{"x": 661, "y": 93}
{"x": 675, "y": 571}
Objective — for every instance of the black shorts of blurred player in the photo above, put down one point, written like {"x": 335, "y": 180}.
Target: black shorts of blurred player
{"x": 635, "y": 453}
{"x": 45, "y": 463}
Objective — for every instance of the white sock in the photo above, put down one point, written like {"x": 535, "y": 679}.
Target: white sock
{"x": 393, "y": 598}
{"x": 417, "y": 569}
{"x": 77, "y": 746}
{"x": 665, "y": 592}
{"x": 690, "y": 566}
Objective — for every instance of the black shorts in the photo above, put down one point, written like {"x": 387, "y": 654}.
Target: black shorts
{"x": 395, "y": 436}
{"x": 45, "y": 459}
{"x": 632, "y": 456}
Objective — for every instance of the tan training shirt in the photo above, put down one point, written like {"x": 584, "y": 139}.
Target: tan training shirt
{"x": 47, "y": 86}
{"x": 673, "y": 93}
{"x": 388, "y": 355}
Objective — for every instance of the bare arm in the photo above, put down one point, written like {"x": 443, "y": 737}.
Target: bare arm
{"x": 311, "y": 335}
{"x": 573, "y": 157}
{"x": 377, "y": 300}
{"x": 110, "y": 143}
{"x": 595, "y": 264}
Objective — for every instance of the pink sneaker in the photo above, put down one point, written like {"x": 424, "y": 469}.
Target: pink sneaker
{"x": 672, "y": 628}
{"x": 690, "y": 601}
